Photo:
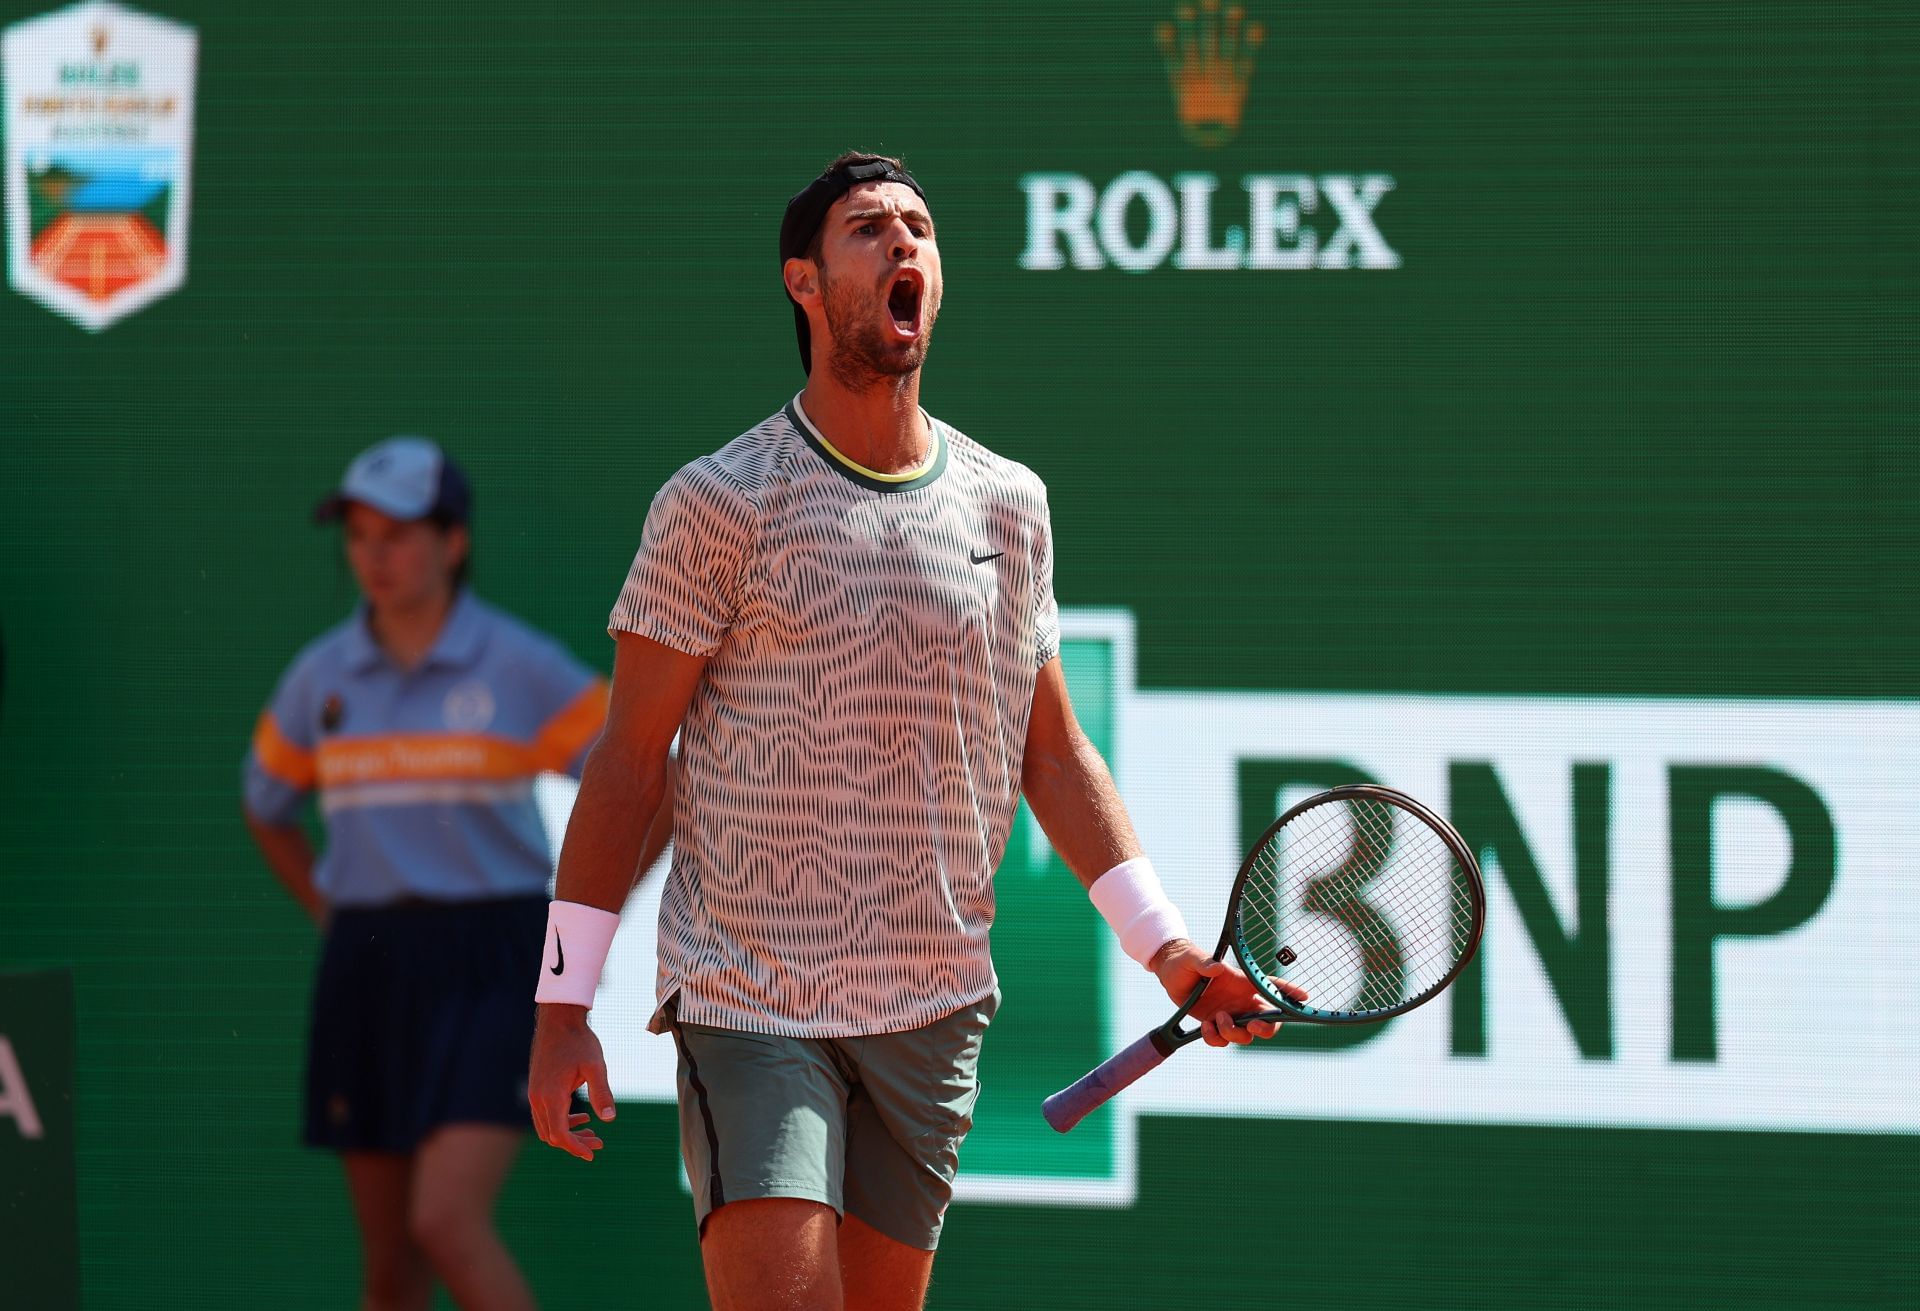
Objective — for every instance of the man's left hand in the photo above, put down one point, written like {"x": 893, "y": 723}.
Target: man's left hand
{"x": 1180, "y": 966}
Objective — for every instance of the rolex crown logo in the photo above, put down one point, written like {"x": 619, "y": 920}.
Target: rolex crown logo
{"x": 1209, "y": 54}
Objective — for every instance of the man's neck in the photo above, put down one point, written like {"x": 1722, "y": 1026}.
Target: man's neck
{"x": 879, "y": 427}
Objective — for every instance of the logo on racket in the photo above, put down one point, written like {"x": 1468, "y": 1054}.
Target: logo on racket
{"x": 1286, "y": 956}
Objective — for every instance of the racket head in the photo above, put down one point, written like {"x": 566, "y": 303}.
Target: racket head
{"x": 1362, "y": 895}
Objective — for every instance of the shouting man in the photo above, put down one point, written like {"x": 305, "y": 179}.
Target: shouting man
{"x": 847, "y": 615}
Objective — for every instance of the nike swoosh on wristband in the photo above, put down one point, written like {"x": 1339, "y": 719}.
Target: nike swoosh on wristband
{"x": 559, "y": 955}
{"x": 982, "y": 559}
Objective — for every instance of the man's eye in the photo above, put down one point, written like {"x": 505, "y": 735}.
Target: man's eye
{"x": 863, "y": 229}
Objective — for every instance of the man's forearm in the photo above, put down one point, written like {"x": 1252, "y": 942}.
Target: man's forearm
{"x": 600, "y": 855}
{"x": 1073, "y": 797}
{"x": 659, "y": 832}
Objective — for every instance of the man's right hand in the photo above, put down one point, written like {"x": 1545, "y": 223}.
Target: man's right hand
{"x": 566, "y": 1054}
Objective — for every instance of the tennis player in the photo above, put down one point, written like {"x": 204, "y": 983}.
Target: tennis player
{"x": 420, "y": 722}
{"x": 847, "y": 614}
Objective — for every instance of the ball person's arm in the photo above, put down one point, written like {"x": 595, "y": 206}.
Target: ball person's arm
{"x": 626, "y": 775}
{"x": 1073, "y": 796}
{"x": 290, "y": 856}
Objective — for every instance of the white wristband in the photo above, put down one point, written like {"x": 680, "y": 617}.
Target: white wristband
{"x": 578, "y": 937}
{"x": 1130, "y": 899}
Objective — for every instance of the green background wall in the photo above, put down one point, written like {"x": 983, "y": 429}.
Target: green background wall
{"x": 1633, "y": 417}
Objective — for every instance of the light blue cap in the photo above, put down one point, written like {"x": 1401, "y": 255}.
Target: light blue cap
{"x": 406, "y": 477}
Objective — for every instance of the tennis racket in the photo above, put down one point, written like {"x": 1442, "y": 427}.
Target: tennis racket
{"x": 1361, "y": 895}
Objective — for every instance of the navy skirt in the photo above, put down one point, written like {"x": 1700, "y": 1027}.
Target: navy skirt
{"x": 422, "y": 1016}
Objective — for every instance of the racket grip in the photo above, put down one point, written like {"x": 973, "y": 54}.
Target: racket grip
{"x": 1094, "y": 1089}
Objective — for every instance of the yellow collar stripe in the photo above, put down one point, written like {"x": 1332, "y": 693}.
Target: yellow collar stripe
{"x": 933, "y": 456}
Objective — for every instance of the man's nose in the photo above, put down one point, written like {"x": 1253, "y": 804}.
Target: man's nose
{"x": 903, "y": 245}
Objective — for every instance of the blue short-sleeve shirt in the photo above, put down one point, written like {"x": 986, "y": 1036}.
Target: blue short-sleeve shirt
{"x": 425, "y": 775}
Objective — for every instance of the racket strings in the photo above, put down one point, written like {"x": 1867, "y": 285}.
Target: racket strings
{"x": 1358, "y": 901}
{"x": 1384, "y": 894}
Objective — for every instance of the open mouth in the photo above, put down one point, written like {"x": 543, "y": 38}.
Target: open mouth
{"x": 903, "y": 303}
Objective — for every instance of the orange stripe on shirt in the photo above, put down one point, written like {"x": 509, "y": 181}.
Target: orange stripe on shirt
{"x": 572, "y": 730}
{"x": 396, "y": 757}
{"x": 290, "y": 764}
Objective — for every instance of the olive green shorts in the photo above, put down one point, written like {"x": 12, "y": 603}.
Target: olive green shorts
{"x": 870, "y": 1126}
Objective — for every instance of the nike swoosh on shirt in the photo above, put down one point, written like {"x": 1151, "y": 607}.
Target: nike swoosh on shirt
{"x": 977, "y": 558}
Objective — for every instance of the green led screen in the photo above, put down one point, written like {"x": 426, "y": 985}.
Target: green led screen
{"x": 1509, "y": 403}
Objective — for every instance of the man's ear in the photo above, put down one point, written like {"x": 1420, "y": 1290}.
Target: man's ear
{"x": 802, "y": 278}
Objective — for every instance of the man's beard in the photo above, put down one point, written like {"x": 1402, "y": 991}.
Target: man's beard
{"x": 863, "y": 355}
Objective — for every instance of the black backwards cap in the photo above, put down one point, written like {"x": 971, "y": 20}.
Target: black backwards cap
{"x": 808, "y": 210}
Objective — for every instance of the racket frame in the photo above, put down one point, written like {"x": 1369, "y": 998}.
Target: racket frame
{"x": 1170, "y": 1037}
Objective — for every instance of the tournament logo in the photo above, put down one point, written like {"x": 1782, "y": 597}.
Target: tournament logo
{"x": 99, "y": 128}
{"x": 1209, "y": 64}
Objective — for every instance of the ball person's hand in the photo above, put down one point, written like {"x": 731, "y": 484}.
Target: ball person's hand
{"x": 566, "y": 1054}
{"x": 1180, "y": 966}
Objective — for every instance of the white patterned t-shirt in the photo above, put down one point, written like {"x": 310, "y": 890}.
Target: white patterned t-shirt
{"x": 850, "y": 762}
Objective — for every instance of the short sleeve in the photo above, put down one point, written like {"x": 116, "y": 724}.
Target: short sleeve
{"x": 279, "y": 770}
{"x": 684, "y": 588}
{"x": 570, "y": 707}
{"x": 1046, "y": 610}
